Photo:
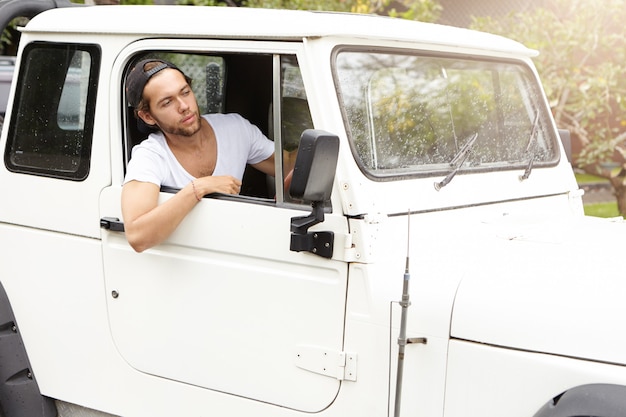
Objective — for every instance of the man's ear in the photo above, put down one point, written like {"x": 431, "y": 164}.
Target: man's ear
{"x": 146, "y": 117}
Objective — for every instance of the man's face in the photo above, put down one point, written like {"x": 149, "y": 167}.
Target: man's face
{"x": 171, "y": 103}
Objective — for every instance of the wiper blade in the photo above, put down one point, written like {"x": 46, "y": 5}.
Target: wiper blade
{"x": 531, "y": 145}
{"x": 458, "y": 161}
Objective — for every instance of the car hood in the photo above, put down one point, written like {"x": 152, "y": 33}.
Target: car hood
{"x": 555, "y": 286}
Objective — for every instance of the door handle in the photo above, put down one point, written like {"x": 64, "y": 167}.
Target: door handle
{"x": 112, "y": 223}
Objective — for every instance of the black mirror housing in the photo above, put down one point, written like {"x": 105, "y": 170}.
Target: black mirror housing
{"x": 316, "y": 162}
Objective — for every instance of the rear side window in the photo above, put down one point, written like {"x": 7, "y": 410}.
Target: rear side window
{"x": 52, "y": 120}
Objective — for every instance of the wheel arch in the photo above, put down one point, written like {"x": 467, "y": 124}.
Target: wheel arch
{"x": 19, "y": 392}
{"x": 595, "y": 400}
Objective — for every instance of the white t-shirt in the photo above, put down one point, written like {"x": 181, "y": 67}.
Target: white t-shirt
{"x": 238, "y": 142}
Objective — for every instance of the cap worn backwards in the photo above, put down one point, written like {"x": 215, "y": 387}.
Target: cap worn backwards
{"x": 138, "y": 77}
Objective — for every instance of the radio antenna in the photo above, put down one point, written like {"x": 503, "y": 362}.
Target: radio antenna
{"x": 402, "y": 339}
{"x": 405, "y": 303}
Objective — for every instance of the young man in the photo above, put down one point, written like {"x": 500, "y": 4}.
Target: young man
{"x": 198, "y": 154}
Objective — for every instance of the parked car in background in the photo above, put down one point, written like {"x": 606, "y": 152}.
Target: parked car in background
{"x": 7, "y": 65}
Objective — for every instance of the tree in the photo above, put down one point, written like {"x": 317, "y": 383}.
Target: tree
{"x": 423, "y": 10}
{"x": 582, "y": 49}
{"x": 9, "y": 37}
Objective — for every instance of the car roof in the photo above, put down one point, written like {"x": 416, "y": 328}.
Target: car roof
{"x": 265, "y": 24}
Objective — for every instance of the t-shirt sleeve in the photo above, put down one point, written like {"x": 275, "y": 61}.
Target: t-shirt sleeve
{"x": 261, "y": 147}
{"x": 146, "y": 165}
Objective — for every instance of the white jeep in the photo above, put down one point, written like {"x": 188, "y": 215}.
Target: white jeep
{"x": 430, "y": 259}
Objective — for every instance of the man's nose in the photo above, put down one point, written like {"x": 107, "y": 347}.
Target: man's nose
{"x": 182, "y": 104}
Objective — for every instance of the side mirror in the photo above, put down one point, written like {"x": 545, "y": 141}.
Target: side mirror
{"x": 312, "y": 181}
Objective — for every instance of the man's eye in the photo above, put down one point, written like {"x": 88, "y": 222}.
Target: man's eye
{"x": 186, "y": 92}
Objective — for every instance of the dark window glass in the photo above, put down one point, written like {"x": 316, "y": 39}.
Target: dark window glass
{"x": 52, "y": 120}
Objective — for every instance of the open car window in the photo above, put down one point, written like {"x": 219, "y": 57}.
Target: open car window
{"x": 272, "y": 95}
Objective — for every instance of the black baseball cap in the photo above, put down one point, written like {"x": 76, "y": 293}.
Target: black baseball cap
{"x": 138, "y": 77}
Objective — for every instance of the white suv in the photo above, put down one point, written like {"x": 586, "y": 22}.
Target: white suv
{"x": 424, "y": 154}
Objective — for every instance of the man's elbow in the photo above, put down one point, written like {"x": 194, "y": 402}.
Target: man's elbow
{"x": 137, "y": 242}
{"x": 138, "y": 246}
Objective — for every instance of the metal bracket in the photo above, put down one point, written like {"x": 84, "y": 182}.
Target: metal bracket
{"x": 417, "y": 340}
{"x": 319, "y": 243}
{"x": 339, "y": 365}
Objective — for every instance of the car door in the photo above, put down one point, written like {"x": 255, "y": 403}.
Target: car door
{"x": 223, "y": 303}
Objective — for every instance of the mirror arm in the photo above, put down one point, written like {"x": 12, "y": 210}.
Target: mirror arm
{"x": 319, "y": 243}
{"x": 300, "y": 225}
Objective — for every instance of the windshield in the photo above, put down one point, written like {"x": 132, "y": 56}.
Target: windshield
{"x": 409, "y": 114}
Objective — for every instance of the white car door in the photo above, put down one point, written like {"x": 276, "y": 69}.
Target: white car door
{"x": 223, "y": 303}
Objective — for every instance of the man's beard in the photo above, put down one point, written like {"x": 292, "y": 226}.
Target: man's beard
{"x": 183, "y": 130}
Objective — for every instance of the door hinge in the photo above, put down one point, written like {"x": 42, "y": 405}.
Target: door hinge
{"x": 335, "y": 364}
{"x": 319, "y": 243}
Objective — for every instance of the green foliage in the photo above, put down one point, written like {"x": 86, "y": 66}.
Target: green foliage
{"x": 139, "y": 2}
{"x": 606, "y": 210}
{"x": 202, "y": 2}
{"x": 582, "y": 178}
{"x": 10, "y": 35}
{"x": 424, "y": 10}
{"x": 582, "y": 49}
{"x": 5, "y": 36}
{"x": 331, "y": 5}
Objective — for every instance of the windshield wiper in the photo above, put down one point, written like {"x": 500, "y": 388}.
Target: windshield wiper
{"x": 532, "y": 144}
{"x": 458, "y": 161}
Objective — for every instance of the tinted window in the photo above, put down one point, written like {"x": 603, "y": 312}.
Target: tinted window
{"x": 52, "y": 120}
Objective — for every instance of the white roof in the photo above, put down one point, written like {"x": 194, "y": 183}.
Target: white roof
{"x": 251, "y": 23}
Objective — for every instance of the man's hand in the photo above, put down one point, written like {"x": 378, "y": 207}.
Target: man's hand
{"x": 224, "y": 184}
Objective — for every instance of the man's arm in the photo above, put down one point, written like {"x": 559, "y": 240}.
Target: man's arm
{"x": 266, "y": 166}
{"x": 147, "y": 223}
